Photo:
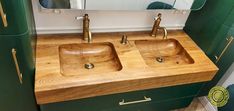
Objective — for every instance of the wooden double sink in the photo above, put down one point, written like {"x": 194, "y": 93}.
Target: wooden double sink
{"x": 68, "y": 68}
{"x": 76, "y": 58}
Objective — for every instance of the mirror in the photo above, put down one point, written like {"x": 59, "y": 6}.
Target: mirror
{"x": 63, "y": 4}
{"x": 123, "y": 4}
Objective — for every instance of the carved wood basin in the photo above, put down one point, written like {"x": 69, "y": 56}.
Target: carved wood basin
{"x": 158, "y": 53}
{"x": 88, "y": 58}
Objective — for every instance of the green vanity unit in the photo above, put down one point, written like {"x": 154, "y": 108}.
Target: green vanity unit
{"x": 17, "y": 41}
{"x": 159, "y": 99}
{"x": 212, "y": 28}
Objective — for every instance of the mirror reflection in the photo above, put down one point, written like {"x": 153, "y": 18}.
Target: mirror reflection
{"x": 122, "y": 4}
{"x": 62, "y": 4}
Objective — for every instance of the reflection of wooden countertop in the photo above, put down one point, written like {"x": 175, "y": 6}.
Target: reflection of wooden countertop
{"x": 51, "y": 86}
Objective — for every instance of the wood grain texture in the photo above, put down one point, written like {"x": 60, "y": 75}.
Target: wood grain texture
{"x": 170, "y": 51}
{"x": 74, "y": 57}
{"x": 52, "y": 86}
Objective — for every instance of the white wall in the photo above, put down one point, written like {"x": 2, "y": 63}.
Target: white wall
{"x": 105, "y": 21}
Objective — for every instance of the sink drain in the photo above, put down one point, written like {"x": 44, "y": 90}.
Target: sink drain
{"x": 89, "y": 66}
{"x": 160, "y": 59}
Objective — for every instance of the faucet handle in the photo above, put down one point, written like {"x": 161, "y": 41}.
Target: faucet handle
{"x": 86, "y": 16}
{"x": 79, "y": 18}
{"x": 158, "y": 17}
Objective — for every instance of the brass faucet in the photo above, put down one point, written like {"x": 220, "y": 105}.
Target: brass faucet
{"x": 90, "y": 37}
{"x": 87, "y": 35}
{"x": 156, "y": 27}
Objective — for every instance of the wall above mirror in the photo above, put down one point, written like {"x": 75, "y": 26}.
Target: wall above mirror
{"x": 123, "y": 4}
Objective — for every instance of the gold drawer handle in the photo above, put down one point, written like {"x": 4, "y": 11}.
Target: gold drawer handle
{"x": 13, "y": 51}
{"x": 3, "y": 16}
{"x": 224, "y": 50}
{"x": 134, "y": 102}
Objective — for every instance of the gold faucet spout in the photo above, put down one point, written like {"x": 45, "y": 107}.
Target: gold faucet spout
{"x": 165, "y": 32}
{"x": 86, "y": 27}
{"x": 90, "y": 37}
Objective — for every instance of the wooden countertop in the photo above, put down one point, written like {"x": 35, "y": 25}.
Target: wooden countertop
{"x": 51, "y": 86}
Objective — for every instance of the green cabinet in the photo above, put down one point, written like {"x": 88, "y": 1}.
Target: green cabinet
{"x": 226, "y": 53}
{"x": 14, "y": 95}
{"x": 204, "y": 26}
{"x": 17, "y": 43}
{"x": 15, "y": 11}
{"x": 165, "y": 98}
{"x": 209, "y": 28}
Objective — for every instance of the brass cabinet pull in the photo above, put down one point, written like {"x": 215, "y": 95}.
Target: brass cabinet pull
{"x": 13, "y": 51}
{"x": 134, "y": 102}
{"x": 225, "y": 49}
{"x": 3, "y": 16}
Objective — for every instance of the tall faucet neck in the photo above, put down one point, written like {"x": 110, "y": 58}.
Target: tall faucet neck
{"x": 86, "y": 21}
{"x": 158, "y": 20}
{"x": 86, "y": 27}
{"x": 86, "y": 31}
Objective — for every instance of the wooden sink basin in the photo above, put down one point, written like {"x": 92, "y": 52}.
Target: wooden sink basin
{"x": 86, "y": 58}
{"x": 158, "y": 53}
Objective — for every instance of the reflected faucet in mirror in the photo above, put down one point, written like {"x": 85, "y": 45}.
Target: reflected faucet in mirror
{"x": 87, "y": 35}
{"x": 156, "y": 27}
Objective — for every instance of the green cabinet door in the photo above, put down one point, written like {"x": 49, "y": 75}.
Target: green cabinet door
{"x": 209, "y": 28}
{"x": 19, "y": 35}
{"x": 204, "y": 26}
{"x": 226, "y": 53}
{"x": 14, "y": 95}
{"x": 15, "y": 11}
{"x": 9, "y": 82}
